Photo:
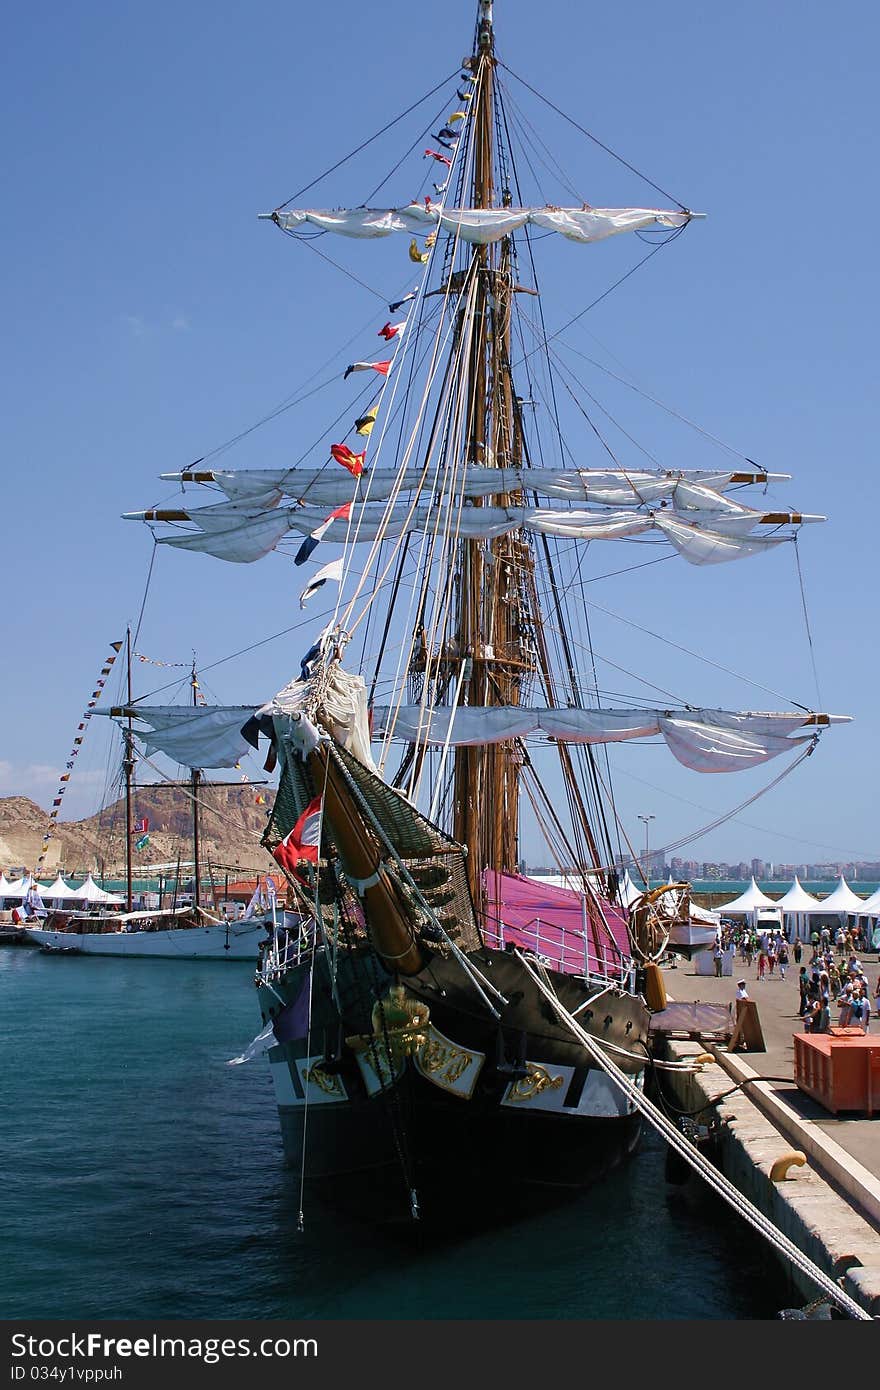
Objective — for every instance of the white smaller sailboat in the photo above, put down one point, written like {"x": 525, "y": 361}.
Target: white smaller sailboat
{"x": 108, "y": 926}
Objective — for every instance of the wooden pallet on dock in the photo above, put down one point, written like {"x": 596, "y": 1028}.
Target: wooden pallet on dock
{"x": 703, "y": 1022}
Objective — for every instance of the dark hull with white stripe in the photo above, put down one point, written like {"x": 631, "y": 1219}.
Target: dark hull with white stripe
{"x": 460, "y": 1154}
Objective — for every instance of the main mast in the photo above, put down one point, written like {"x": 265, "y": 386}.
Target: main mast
{"x": 128, "y": 761}
{"x": 492, "y": 618}
{"x": 195, "y": 778}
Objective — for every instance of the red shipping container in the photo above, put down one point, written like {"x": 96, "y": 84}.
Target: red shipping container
{"x": 840, "y": 1069}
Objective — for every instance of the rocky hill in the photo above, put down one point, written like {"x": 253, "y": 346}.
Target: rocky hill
{"x": 231, "y": 823}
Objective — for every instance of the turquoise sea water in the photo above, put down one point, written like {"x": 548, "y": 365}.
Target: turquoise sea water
{"x": 775, "y": 888}
{"x": 143, "y": 1178}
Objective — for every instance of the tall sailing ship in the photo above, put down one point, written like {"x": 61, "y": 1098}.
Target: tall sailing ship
{"x": 435, "y": 1018}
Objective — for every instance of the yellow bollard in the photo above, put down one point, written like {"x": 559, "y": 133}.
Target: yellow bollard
{"x": 779, "y": 1170}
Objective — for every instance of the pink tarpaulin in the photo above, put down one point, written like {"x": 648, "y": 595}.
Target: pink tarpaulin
{"x": 550, "y": 921}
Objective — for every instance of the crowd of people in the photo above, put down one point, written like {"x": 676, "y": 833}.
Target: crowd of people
{"x": 843, "y": 985}
{"x": 832, "y": 979}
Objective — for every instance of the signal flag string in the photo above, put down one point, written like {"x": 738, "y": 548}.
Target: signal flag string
{"x": 64, "y": 779}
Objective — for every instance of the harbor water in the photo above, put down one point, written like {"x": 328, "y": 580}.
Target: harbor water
{"x": 144, "y": 1179}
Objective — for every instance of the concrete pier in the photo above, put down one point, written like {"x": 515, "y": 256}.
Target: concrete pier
{"x": 830, "y": 1206}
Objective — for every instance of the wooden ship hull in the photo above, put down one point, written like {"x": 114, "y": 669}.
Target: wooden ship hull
{"x": 466, "y": 1111}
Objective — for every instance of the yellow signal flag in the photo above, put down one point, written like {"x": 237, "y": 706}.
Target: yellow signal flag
{"x": 365, "y": 423}
{"x": 456, "y": 116}
{"x": 415, "y": 254}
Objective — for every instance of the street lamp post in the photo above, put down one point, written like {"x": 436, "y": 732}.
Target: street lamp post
{"x": 646, "y": 874}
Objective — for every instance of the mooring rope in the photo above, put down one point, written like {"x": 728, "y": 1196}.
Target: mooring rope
{"x": 716, "y": 1180}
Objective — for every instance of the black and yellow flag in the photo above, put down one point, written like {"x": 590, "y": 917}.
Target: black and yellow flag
{"x": 366, "y": 422}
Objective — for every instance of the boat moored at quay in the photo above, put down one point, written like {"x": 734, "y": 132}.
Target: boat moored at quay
{"x": 432, "y": 1015}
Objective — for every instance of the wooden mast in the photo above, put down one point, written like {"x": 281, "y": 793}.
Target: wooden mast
{"x": 492, "y": 620}
{"x": 128, "y": 769}
{"x": 195, "y": 777}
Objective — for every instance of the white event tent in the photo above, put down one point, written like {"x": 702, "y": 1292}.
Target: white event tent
{"x": 747, "y": 902}
{"x": 20, "y": 887}
{"x": 871, "y": 906}
{"x": 57, "y": 893}
{"x": 89, "y": 892}
{"x": 798, "y": 907}
{"x": 628, "y": 890}
{"x": 748, "y": 905}
{"x": 797, "y": 904}
{"x": 843, "y": 901}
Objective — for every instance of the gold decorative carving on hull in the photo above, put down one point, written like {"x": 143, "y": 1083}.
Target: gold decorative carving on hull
{"x": 330, "y": 1085}
{"x": 386, "y": 1069}
{"x": 440, "y": 1057}
{"x": 400, "y": 1025}
{"x": 402, "y": 1029}
{"x": 537, "y": 1080}
{"x": 447, "y": 1065}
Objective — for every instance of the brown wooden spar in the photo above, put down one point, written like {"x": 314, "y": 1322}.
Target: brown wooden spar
{"x": 389, "y": 928}
{"x": 491, "y": 611}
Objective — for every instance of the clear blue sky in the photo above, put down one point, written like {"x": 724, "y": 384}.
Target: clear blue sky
{"x": 149, "y": 317}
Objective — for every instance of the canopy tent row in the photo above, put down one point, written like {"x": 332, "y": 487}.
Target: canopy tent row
{"x": 798, "y": 906}
{"x": 56, "y": 894}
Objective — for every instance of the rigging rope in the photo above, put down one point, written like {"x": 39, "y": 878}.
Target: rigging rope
{"x": 595, "y": 139}
{"x": 797, "y": 560}
{"x": 146, "y": 591}
{"x": 729, "y": 815}
{"x": 676, "y": 1140}
{"x": 310, "y": 243}
{"x": 668, "y": 642}
{"x": 339, "y": 163}
{"x": 676, "y": 415}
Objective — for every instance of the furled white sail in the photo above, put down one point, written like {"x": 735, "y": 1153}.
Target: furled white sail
{"x": 480, "y": 225}
{"x": 238, "y": 541}
{"x": 194, "y": 736}
{"x": 702, "y": 546}
{"x": 611, "y": 487}
{"x": 698, "y": 543}
{"x": 705, "y": 740}
{"x": 704, "y": 538}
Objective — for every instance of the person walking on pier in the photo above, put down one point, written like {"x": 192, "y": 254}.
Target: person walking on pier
{"x": 762, "y": 963}
{"x": 804, "y": 988}
{"x": 782, "y": 959}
